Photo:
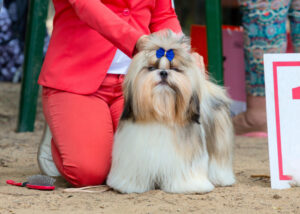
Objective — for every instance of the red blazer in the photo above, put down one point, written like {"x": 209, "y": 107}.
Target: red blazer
{"x": 87, "y": 33}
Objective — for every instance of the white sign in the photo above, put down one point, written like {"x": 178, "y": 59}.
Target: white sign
{"x": 282, "y": 81}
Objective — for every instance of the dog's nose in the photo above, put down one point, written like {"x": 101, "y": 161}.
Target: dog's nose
{"x": 163, "y": 74}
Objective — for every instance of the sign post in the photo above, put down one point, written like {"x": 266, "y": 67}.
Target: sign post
{"x": 282, "y": 81}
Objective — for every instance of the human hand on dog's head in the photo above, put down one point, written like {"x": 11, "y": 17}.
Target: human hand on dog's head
{"x": 141, "y": 42}
{"x": 144, "y": 39}
{"x": 199, "y": 61}
{"x": 140, "y": 45}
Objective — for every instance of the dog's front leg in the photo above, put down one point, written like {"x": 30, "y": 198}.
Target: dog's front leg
{"x": 189, "y": 177}
{"x": 193, "y": 184}
{"x": 122, "y": 180}
{"x": 220, "y": 147}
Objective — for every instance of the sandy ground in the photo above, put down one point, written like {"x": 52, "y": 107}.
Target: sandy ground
{"x": 18, "y": 161}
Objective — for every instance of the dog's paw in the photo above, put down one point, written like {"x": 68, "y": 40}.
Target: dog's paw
{"x": 225, "y": 180}
{"x": 126, "y": 190}
{"x": 221, "y": 175}
{"x": 122, "y": 186}
{"x": 192, "y": 185}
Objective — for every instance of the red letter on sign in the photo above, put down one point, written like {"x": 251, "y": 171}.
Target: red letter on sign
{"x": 296, "y": 93}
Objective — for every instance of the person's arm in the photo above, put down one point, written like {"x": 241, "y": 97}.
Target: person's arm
{"x": 108, "y": 24}
{"x": 164, "y": 17}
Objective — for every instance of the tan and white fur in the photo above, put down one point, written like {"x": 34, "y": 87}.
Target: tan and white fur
{"x": 175, "y": 132}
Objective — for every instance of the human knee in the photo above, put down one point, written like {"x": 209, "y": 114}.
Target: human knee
{"x": 85, "y": 175}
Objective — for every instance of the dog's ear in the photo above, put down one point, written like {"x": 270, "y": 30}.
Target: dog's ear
{"x": 127, "y": 111}
{"x": 193, "y": 112}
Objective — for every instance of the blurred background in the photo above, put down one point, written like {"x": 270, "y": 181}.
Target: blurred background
{"x": 13, "y": 16}
{"x": 14, "y": 24}
{"x": 193, "y": 12}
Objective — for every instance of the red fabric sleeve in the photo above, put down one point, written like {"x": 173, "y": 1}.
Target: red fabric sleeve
{"x": 164, "y": 17}
{"x": 110, "y": 26}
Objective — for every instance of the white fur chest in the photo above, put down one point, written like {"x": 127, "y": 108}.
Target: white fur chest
{"x": 151, "y": 155}
{"x": 151, "y": 145}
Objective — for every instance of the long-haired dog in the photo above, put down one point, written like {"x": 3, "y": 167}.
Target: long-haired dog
{"x": 175, "y": 132}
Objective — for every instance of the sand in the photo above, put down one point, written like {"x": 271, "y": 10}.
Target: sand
{"x": 18, "y": 161}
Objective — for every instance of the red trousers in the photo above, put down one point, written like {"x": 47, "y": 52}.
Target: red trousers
{"x": 82, "y": 127}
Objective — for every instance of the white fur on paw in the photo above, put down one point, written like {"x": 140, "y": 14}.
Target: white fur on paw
{"x": 220, "y": 175}
{"x": 202, "y": 185}
{"x": 127, "y": 187}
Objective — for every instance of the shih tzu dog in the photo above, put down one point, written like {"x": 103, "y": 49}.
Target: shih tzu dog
{"x": 175, "y": 132}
